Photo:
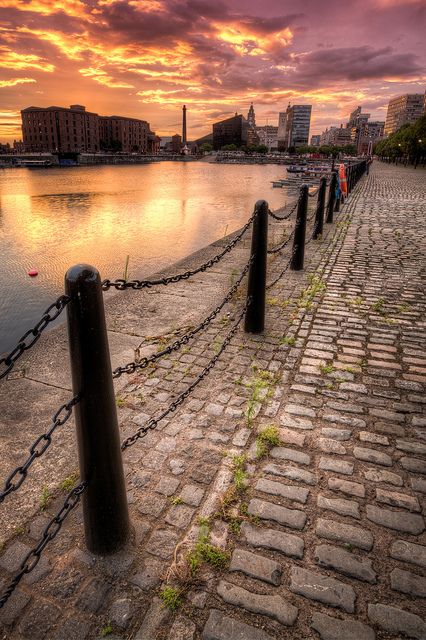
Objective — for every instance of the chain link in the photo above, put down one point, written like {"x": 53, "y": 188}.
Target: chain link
{"x": 271, "y": 284}
{"x": 282, "y": 245}
{"x": 24, "y": 344}
{"x": 131, "y": 367}
{"x": 121, "y": 285}
{"x": 37, "y": 449}
{"x": 51, "y": 531}
{"x": 286, "y": 217}
{"x": 151, "y": 424}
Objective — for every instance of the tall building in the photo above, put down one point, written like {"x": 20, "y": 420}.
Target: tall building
{"x": 282, "y": 121}
{"x": 402, "y": 110}
{"x": 75, "y": 130}
{"x": 315, "y": 140}
{"x": 296, "y": 124}
{"x": 235, "y": 130}
{"x": 251, "y": 118}
{"x": 184, "y": 140}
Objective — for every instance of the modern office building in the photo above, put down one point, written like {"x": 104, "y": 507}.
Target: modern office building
{"x": 294, "y": 125}
{"x": 75, "y": 130}
{"x": 404, "y": 109}
{"x": 315, "y": 140}
{"x": 235, "y": 130}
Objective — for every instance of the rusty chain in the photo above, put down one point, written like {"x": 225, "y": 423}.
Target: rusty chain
{"x": 153, "y": 422}
{"x": 273, "y": 282}
{"x": 282, "y": 245}
{"x": 62, "y": 415}
{"x": 51, "y": 531}
{"x": 24, "y": 344}
{"x": 286, "y": 217}
{"x": 131, "y": 367}
{"x": 121, "y": 284}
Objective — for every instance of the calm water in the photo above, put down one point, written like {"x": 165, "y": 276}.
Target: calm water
{"x": 51, "y": 219}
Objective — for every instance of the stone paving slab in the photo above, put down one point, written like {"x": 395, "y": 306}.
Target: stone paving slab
{"x": 340, "y": 372}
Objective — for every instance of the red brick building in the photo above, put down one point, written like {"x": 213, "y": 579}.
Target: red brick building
{"x": 75, "y": 130}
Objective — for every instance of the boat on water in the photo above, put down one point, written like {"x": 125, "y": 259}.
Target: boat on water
{"x": 294, "y": 168}
{"x": 34, "y": 163}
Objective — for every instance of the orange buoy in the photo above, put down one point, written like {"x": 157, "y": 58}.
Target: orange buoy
{"x": 343, "y": 183}
{"x": 33, "y": 272}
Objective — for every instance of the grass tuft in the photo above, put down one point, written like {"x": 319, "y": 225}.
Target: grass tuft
{"x": 171, "y": 597}
{"x": 267, "y": 438}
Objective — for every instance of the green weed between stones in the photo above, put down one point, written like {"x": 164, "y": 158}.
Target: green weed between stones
{"x": 259, "y": 387}
{"x": 316, "y": 285}
{"x": 377, "y": 307}
{"x": 46, "y": 497}
{"x": 204, "y": 551}
{"x": 176, "y": 500}
{"x": 106, "y": 631}
{"x": 70, "y": 482}
{"x": 326, "y": 368}
{"x": 171, "y": 597}
{"x": 267, "y": 438}
{"x": 240, "y": 475}
{"x": 290, "y": 340}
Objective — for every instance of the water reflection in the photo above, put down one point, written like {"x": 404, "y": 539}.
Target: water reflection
{"x": 156, "y": 214}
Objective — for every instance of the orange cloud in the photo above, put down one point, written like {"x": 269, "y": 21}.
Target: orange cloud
{"x": 11, "y": 60}
{"x": 14, "y": 81}
{"x": 74, "y": 8}
{"x": 103, "y": 78}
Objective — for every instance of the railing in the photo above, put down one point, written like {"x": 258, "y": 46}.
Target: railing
{"x": 102, "y": 485}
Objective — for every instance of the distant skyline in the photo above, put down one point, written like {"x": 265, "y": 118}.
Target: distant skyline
{"x": 146, "y": 58}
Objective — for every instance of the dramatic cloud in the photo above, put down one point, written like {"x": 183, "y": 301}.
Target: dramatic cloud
{"x": 145, "y": 58}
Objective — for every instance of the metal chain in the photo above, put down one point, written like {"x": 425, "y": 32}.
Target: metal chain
{"x": 62, "y": 415}
{"x": 51, "y": 531}
{"x": 144, "y": 362}
{"x": 282, "y": 245}
{"x": 286, "y": 217}
{"x": 121, "y": 284}
{"x": 24, "y": 344}
{"x": 271, "y": 284}
{"x": 151, "y": 424}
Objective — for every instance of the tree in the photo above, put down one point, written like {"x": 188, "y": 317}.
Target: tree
{"x": 229, "y": 147}
{"x": 206, "y": 147}
{"x": 262, "y": 148}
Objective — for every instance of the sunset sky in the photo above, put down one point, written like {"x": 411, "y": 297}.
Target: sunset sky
{"x": 145, "y": 58}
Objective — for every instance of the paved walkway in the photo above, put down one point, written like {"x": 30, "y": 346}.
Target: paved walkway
{"x": 318, "y": 536}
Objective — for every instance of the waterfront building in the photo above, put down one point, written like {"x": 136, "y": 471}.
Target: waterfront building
{"x": 57, "y": 129}
{"x": 282, "y": 120}
{"x": 176, "y": 143}
{"x": 118, "y": 133}
{"x": 235, "y": 130}
{"x": 404, "y": 109}
{"x": 268, "y": 135}
{"x": 294, "y": 125}
{"x": 315, "y": 140}
{"x": 75, "y": 130}
{"x": 336, "y": 136}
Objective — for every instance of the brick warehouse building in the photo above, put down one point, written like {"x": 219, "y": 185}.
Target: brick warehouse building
{"x": 75, "y": 130}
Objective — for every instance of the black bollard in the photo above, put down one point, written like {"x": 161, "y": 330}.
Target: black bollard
{"x": 319, "y": 214}
{"x": 105, "y": 512}
{"x": 256, "y": 289}
{"x": 298, "y": 255}
{"x": 331, "y": 197}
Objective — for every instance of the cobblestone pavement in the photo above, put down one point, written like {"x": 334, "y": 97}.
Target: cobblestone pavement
{"x": 319, "y": 535}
